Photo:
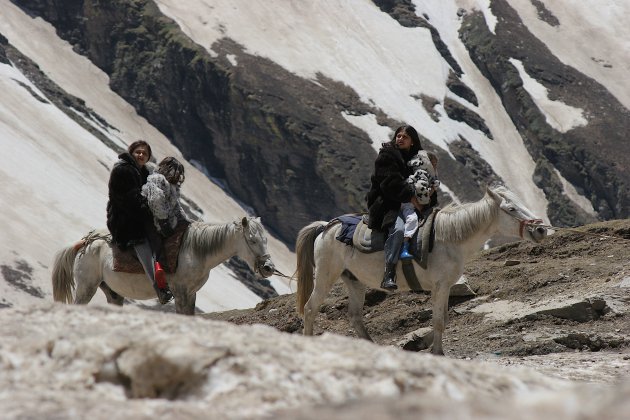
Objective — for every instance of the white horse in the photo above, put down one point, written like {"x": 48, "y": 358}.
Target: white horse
{"x": 203, "y": 247}
{"x": 460, "y": 231}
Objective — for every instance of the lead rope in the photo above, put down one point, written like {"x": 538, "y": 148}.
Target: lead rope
{"x": 599, "y": 235}
{"x": 279, "y": 274}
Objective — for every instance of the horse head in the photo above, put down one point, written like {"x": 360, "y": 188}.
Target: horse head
{"x": 515, "y": 218}
{"x": 256, "y": 242}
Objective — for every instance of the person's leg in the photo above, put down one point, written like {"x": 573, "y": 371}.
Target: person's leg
{"x": 157, "y": 245}
{"x": 145, "y": 256}
{"x": 392, "y": 251}
{"x": 147, "y": 259}
{"x": 156, "y": 241}
{"x": 411, "y": 225}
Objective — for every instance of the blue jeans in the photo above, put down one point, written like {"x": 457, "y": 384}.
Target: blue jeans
{"x": 394, "y": 240}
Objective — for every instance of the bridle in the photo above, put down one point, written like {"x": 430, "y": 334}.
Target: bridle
{"x": 524, "y": 223}
{"x": 260, "y": 260}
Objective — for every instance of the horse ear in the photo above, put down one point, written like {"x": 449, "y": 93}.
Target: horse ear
{"x": 244, "y": 222}
{"x": 492, "y": 194}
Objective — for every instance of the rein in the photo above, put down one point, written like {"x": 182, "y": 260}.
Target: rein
{"x": 278, "y": 273}
{"x": 260, "y": 260}
{"x": 524, "y": 223}
{"x": 598, "y": 235}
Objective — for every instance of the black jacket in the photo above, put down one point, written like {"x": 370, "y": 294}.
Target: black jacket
{"x": 389, "y": 187}
{"x": 127, "y": 211}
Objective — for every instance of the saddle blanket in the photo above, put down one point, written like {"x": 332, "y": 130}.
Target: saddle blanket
{"x": 127, "y": 261}
{"x": 354, "y": 231}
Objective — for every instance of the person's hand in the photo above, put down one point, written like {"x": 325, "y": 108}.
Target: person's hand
{"x": 416, "y": 203}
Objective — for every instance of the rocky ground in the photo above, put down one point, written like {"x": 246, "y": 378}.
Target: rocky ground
{"x": 561, "y": 307}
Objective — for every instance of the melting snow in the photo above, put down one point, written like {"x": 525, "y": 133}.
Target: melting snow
{"x": 560, "y": 116}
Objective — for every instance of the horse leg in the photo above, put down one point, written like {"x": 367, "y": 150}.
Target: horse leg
{"x": 112, "y": 297}
{"x": 86, "y": 290}
{"x": 440, "y": 296}
{"x": 356, "y": 299}
{"x": 88, "y": 276}
{"x": 184, "y": 301}
{"x": 324, "y": 279}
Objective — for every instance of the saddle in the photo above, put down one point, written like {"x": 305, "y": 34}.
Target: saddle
{"x": 367, "y": 240}
{"x": 127, "y": 262}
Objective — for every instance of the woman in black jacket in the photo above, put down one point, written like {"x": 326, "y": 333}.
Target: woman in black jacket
{"x": 389, "y": 189}
{"x": 129, "y": 219}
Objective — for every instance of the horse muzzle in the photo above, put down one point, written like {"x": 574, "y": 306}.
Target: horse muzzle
{"x": 537, "y": 232}
{"x": 265, "y": 266}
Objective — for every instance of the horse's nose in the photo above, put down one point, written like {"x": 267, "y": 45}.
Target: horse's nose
{"x": 539, "y": 233}
{"x": 267, "y": 268}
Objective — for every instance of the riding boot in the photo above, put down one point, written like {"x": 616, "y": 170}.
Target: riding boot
{"x": 389, "y": 279}
{"x": 161, "y": 287}
{"x": 404, "y": 253}
{"x": 160, "y": 276}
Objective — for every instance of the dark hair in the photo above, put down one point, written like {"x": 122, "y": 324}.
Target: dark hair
{"x": 133, "y": 146}
{"x": 172, "y": 169}
{"x": 413, "y": 134}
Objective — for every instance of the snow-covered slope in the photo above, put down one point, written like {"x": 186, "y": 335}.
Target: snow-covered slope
{"x": 391, "y": 66}
{"x": 54, "y": 173}
{"x": 385, "y": 63}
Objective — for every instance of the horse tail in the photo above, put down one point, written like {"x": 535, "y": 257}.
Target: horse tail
{"x": 305, "y": 251}
{"x": 63, "y": 274}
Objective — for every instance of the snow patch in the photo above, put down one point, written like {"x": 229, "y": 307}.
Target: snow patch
{"x": 232, "y": 59}
{"x": 569, "y": 190}
{"x": 377, "y": 133}
{"x": 560, "y": 116}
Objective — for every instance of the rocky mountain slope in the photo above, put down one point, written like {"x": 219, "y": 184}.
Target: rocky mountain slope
{"x": 286, "y": 145}
{"x": 543, "y": 305}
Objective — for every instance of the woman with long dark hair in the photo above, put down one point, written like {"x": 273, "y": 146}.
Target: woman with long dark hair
{"x": 389, "y": 189}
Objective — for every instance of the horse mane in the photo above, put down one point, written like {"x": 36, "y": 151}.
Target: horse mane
{"x": 209, "y": 238}
{"x": 456, "y": 222}
{"x": 206, "y": 238}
